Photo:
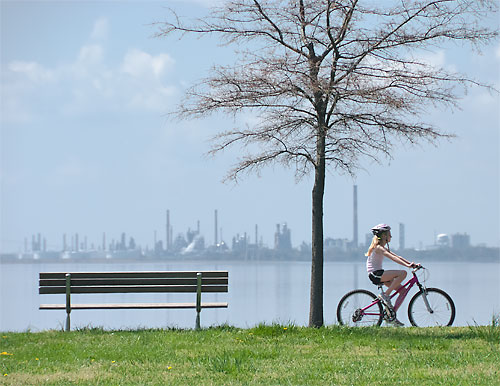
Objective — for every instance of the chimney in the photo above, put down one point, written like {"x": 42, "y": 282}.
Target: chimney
{"x": 401, "y": 236}
{"x": 168, "y": 241}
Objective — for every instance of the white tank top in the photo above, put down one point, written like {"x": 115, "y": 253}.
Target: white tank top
{"x": 374, "y": 261}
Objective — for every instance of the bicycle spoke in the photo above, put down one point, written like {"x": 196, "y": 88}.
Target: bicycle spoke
{"x": 352, "y": 309}
{"x": 441, "y": 313}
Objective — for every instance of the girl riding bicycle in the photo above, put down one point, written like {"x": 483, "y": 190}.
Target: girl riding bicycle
{"x": 379, "y": 249}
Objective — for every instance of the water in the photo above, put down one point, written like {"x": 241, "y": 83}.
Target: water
{"x": 259, "y": 292}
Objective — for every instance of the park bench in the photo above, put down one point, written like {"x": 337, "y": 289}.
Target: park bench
{"x": 69, "y": 283}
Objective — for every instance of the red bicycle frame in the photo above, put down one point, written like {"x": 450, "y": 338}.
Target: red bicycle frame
{"x": 403, "y": 291}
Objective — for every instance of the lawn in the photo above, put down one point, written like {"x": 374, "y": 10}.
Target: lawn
{"x": 264, "y": 355}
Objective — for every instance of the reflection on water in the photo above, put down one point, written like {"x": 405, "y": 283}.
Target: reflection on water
{"x": 259, "y": 292}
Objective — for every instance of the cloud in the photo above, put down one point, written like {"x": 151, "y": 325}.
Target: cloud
{"x": 88, "y": 84}
{"x": 100, "y": 30}
{"x": 93, "y": 82}
{"x": 141, "y": 64}
{"x": 90, "y": 55}
{"x": 32, "y": 71}
{"x": 433, "y": 59}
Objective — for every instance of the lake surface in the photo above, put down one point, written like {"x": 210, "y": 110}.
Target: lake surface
{"x": 259, "y": 292}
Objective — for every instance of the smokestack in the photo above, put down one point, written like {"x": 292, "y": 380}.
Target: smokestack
{"x": 168, "y": 230}
{"x": 401, "y": 236}
{"x": 355, "y": 216}
{"x": 256, "y": 235}
{"x": 104, "y": 241}
{"x": 215, "y": 228}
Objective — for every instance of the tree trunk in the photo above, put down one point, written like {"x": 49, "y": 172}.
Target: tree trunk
{"x": 316, "y": 303}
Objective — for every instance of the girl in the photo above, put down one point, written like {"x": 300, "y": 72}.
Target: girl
{"x": 391, "y": 278}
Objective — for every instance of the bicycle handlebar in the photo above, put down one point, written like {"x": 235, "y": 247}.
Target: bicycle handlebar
{"x": 418, "y": 267}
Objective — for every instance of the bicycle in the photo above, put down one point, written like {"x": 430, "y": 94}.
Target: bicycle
{"x": 428, "y": 307}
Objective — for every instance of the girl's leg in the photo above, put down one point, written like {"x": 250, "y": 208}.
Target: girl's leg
{"x": 392, "y": 279}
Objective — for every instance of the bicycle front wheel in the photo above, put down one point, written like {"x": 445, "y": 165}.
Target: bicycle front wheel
{"x": 359, "y": 308}
{"x": 439, "y": 310}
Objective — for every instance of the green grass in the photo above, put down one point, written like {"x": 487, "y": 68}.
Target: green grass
{"x": 264, "y": 355}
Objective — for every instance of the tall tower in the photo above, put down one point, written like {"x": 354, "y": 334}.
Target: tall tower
{"x": 355, "y": 216}
{"x": 216, "y": 238}
{"x": 168, "y": 241}
{"x": 401, "y": 236}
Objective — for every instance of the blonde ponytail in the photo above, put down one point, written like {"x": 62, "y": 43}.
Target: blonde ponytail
{"x": 378, "y": 240}
{"x": 375, "y": 242}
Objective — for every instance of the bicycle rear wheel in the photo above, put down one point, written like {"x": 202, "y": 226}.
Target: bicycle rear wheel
{"x": 441, "y": 311}
{"x": 359, "y": 308}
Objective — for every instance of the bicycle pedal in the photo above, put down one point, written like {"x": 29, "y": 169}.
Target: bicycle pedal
{"x": 389, "y": 315}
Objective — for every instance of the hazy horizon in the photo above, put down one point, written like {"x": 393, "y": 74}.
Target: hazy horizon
{"x": 87, "y": 145}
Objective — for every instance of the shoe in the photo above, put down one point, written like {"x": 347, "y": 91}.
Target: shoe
{"x": 396, "y": 323}
{"x": 386, "y": 300}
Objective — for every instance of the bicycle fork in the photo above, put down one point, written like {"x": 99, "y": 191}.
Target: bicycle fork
{"x": 424, "y": 296}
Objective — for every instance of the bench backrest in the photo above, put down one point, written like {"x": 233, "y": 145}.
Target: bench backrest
{"x": 132, "y": 282}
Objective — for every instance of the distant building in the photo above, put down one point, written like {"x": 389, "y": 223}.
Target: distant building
{"x": 282, "y": 238}
{"x": 338, "y": 244}
{"x": 179, "y": 243}
{"x": 368, "y": 240}
{"x": 460, "y": 240}
{"x": 158, "y": 248}
{"x": 196, "y": 245}
{"x": 443, "y": 240}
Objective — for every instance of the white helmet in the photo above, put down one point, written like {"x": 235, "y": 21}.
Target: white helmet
{"x": 380, "y": 228}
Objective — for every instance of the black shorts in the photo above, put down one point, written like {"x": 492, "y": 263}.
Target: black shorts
{"x": 375, "y": 276}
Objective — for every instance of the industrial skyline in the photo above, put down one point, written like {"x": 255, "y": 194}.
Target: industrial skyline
{"x": 88, "y": 146}
{"x": 193, "y": 240}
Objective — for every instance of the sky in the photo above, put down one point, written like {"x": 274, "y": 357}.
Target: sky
{"x": 87, "y": 145}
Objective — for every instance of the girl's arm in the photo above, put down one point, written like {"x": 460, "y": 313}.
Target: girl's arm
{"x": 397, "y": 259}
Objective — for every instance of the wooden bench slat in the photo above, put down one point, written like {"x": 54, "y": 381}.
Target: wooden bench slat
{"x": 131, "y": 306}
{"x": 134, "y": 281}
{"x": 133, "y": 289}
{"x": 134, "y": 274}
{"x": 69, "y": 283}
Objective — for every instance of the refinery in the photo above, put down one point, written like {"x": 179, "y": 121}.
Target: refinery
{"x": 192, "y": 245}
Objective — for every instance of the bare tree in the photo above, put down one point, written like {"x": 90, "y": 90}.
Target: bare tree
{"x": 331, "y": 82}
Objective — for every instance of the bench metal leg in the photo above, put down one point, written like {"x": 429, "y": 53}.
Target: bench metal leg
{"x": 68, "y": 301}
{"x": 198, "y": 300}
